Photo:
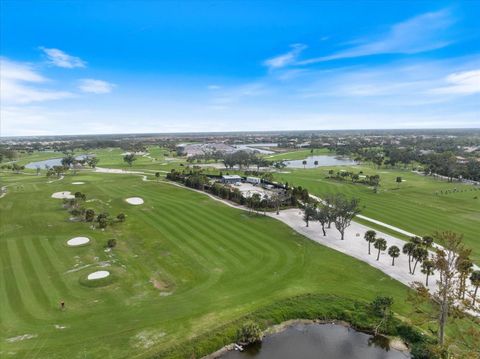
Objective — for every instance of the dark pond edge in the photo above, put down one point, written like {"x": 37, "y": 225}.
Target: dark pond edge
{"x": 398, "y": 343}
{"x": 315, "y": 307}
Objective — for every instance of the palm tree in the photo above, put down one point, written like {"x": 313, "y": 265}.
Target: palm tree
{"x": 394, "y": 252}
{"x": 370, "y": 237}
{"x": 416, "y": 240}
{"x": 427, "y": 269}
{"x": 427, "y": 241}
{"x": 381, "y": 245}
{"x": 475, "y": 279}
{"x": 408, "y": 250}
{"x": 419, "y": 254}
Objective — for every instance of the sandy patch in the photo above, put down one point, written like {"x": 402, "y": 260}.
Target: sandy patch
{"x": 98, "y": 275}
{"x": 62, "y": 195}
{"x": 398, "y": 344}
{"x": 147, "y": 338}
{"x": 78, "y": 182}
{"x": 78, "y": 241}
{"x": 134, "y": 200}
{"x": 21, "y": 337}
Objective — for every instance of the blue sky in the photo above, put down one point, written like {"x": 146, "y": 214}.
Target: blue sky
{"x": 134, "y": 67}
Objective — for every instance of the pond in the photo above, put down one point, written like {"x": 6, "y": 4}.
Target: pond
{"x": 323, "y": 160}
{"x": 318, "y": 341}
{"x": 51, "y": 162}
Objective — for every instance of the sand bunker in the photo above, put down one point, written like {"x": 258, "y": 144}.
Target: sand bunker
{"x": 78, "y": 241}
{"x": 64, "y": 194}
{"x": 78, "y": 182}
{"x": 98, "y": 275}
{"x": 134, "y": 200}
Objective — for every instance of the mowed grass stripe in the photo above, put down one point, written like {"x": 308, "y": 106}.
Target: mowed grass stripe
{"x": 214, "y": 223}
{"x": 49, "y": 278}
{"x": 201, "y": 231}
{"x": 209, "y": 254}
{"x": 40, "y": 299}
{"x": 210, "y": 282}
{"x": 49, "y": 257}
{"x": 13, "y": 283}
{"x": 220, "y": 217}
{"x": 269, "y": 257}
{"x": 8, "y": 316}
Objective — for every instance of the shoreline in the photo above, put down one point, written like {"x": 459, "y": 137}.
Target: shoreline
{"x": 394, "y": 342}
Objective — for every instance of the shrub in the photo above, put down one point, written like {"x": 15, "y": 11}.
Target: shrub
{"x": 250, "y": 332}
{"x": 89, "y": 215}
{"x": 121, "y": 217}
{"x": 111, "y": 243}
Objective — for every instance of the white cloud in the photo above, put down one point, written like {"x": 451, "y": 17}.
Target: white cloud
{"x": 460, "y": 83}
{"x": 61, "y": 59}
{"x": 19, "y": 84}
{"x": 418, "y": 34}
{"x": 214, "y": 87}
{"x": 19, "y": 71}
{"x": 285, "y": 59}
{"x": 95, "y": 86}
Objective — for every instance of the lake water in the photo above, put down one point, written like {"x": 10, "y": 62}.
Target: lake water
{"x": 51, "y": 162}
{"x": 317, "y": 341}
{"x": 322, "y": 161}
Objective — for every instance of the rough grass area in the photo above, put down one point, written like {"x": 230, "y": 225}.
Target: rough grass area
{"x": 187, "y": 265}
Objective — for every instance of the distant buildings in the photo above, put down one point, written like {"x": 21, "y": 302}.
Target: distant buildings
{"x": 200, "y": 149}
{"x": 231, "y": 179}
{"x": 254, "y": 180}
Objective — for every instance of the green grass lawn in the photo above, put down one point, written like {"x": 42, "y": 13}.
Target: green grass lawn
{"x": 210, "y": 264}
{"x": 412, "y": 205}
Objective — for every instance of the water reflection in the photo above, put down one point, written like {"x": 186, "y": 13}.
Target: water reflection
{"x": 51, "y": 162}
{"x": 321, "y": 160}
{"x": 319, "y": 341}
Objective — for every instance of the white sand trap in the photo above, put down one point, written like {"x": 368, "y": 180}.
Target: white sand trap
{"x": 78, "y": 182}
{"x": 64, "y": 194}
{"x": 134, "y": 200}
{"x": 98, "y": 275}
{"x": 77, "y": 241}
